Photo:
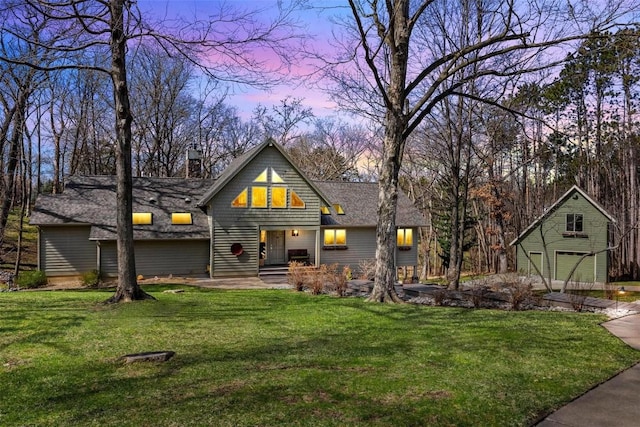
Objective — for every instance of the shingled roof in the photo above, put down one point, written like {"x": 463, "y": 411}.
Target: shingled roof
{"x": 359, "y": 200}
{"x": 92, "y": 199}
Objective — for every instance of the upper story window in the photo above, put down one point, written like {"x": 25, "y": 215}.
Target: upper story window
{"x": 142, "y": 218}
{"x": 181, "y": 218}
{"x": 266, "y": 195}
{"x": 405, "y": 237}
{"x": 574, "y": 223}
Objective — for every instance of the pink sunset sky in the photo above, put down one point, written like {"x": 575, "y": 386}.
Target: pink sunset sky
{"x": 314, "y": 22}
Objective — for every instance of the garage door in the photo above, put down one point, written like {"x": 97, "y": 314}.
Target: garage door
{"x": 585, "y": 272}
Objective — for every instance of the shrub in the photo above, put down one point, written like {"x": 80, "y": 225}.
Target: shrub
{"x": 91, "y": 278}
{"x": 337, "y": 280}
{"x": 31, "y": 279}
{"x": 577, "y": 294}
{"x": 519, "y": 292}
{"x": 439, "y": 296}
{"x": 367, "y": 269}
{"x": 478, "y": 290}
{"x": 296, "y": 275}
{"x": 318, "y": 278}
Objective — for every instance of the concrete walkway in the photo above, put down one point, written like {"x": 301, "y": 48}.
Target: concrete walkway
{"x": 614, "y": 402}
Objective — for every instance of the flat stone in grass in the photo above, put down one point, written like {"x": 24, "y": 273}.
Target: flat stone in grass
{"x": 150, "y": 356}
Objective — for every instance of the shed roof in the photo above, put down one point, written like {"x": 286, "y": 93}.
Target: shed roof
{"x": 91, "y": 200}
{"x": 560, "y": 201}
{"x": 359, "y": 201}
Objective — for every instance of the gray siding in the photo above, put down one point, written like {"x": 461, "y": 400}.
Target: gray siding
{"x": 361, "y": 244}
{"x": 226, "y": 264}
{"x": 225, "y": 215}
{"x": 242, "y": 225}
{"x": 66, "y": 250}
{"x": 160, "y": 257}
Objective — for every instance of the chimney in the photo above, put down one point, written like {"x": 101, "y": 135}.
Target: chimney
{"x": 194, "y": 162}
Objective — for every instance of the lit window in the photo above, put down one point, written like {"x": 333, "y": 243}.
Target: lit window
{"x": 142, "y": 218}
{"x": 276, "y": 178}
{"x": 405, "y": 237}
{"x": 181, "y": 218}
{"x": 337, "y": 237}
{"x": 296, "y": 201}
{"x": 262, "y": 177}
{"x": 338, "y": 209}
{"x": 574, "y": 223}
{"x": 324, "y": 210}
{"x": 258, "y": 197}
{"x": 241, "y": 200}
{"x": 278, "y": 197}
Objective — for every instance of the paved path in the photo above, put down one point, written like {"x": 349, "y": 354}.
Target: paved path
{"x": 615, "y": 402}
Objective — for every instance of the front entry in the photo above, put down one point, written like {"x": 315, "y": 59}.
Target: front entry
{"x": 275, "y": 247}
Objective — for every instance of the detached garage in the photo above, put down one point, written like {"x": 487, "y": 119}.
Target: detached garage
{"x": 574, "y": 232}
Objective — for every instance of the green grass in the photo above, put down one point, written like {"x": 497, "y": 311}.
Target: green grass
{"x": 247, "y": 358}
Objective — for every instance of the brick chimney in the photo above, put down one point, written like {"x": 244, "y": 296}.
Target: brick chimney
{"x": 194, "y": 162}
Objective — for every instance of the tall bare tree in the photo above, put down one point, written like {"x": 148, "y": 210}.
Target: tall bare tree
{"x": 406, "y": 57}
{"x": 104, "y": 28}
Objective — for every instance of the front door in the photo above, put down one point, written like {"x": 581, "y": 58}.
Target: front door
{"x": 275, "y": 247}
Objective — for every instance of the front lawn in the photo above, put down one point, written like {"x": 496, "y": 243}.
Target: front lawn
{"x": 247, "y": 358}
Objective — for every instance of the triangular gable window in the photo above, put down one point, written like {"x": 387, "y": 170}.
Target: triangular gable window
{"x": 262, "y": 177}
{"x": 296, "y": 201}
{"x": 275, "y": 178}
{"x": 241, "y": 200}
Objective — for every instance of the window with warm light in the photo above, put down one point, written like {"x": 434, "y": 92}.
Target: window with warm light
{"x": 296, "y": 201}
{"x": 258, "y": 197}
{"x": 405, "y": 237}
{"x": 324, "y": 210}
{"x": 278, "y": 197}
{"x": 241, "y": 200}
{"x": 181, "y": 218}
{"x": 335, "y": 237}
{"x": 338, "y": 209}
{"x": 142, "y": 218}
{"x": 275, "y": 178}
{"x": 262, "y": 177}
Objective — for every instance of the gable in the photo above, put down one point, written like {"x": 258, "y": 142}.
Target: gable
{"x": 574, "y": 202}
{"x": 268, "y": 188}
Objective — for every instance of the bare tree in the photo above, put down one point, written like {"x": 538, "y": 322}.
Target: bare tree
{"x": 405, "y": 58}
{"x": 104, "y": 27}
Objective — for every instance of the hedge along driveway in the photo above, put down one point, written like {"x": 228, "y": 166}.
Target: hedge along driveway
{"x": 286, "y": 358}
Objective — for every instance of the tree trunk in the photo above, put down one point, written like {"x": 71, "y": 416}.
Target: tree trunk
{"x": 128, "y": 288}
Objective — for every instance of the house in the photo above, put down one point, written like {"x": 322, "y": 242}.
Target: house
{"x": 261, "y": 211}
{"x": 575, "y": 227}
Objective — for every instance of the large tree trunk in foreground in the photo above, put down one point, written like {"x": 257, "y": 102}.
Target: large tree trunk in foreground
{"x": 128, "y": 288}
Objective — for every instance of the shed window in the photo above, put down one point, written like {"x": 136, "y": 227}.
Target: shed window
{"x": 181, "y": 218}
{"x": 574, "y": 223}
{"x": 142, "y": 218}
{"x": 325, "y": 210}
{"x": 338, "y": 209}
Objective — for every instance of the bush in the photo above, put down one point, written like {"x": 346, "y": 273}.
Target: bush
{"x": 519, "y": 292}
{"x": 31, "y": 279}
{"x": 296, "y": 275}
{"x": 367, "y": 269}
{"x": 337, "y": 280}
{"x": 91, "y": 278}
